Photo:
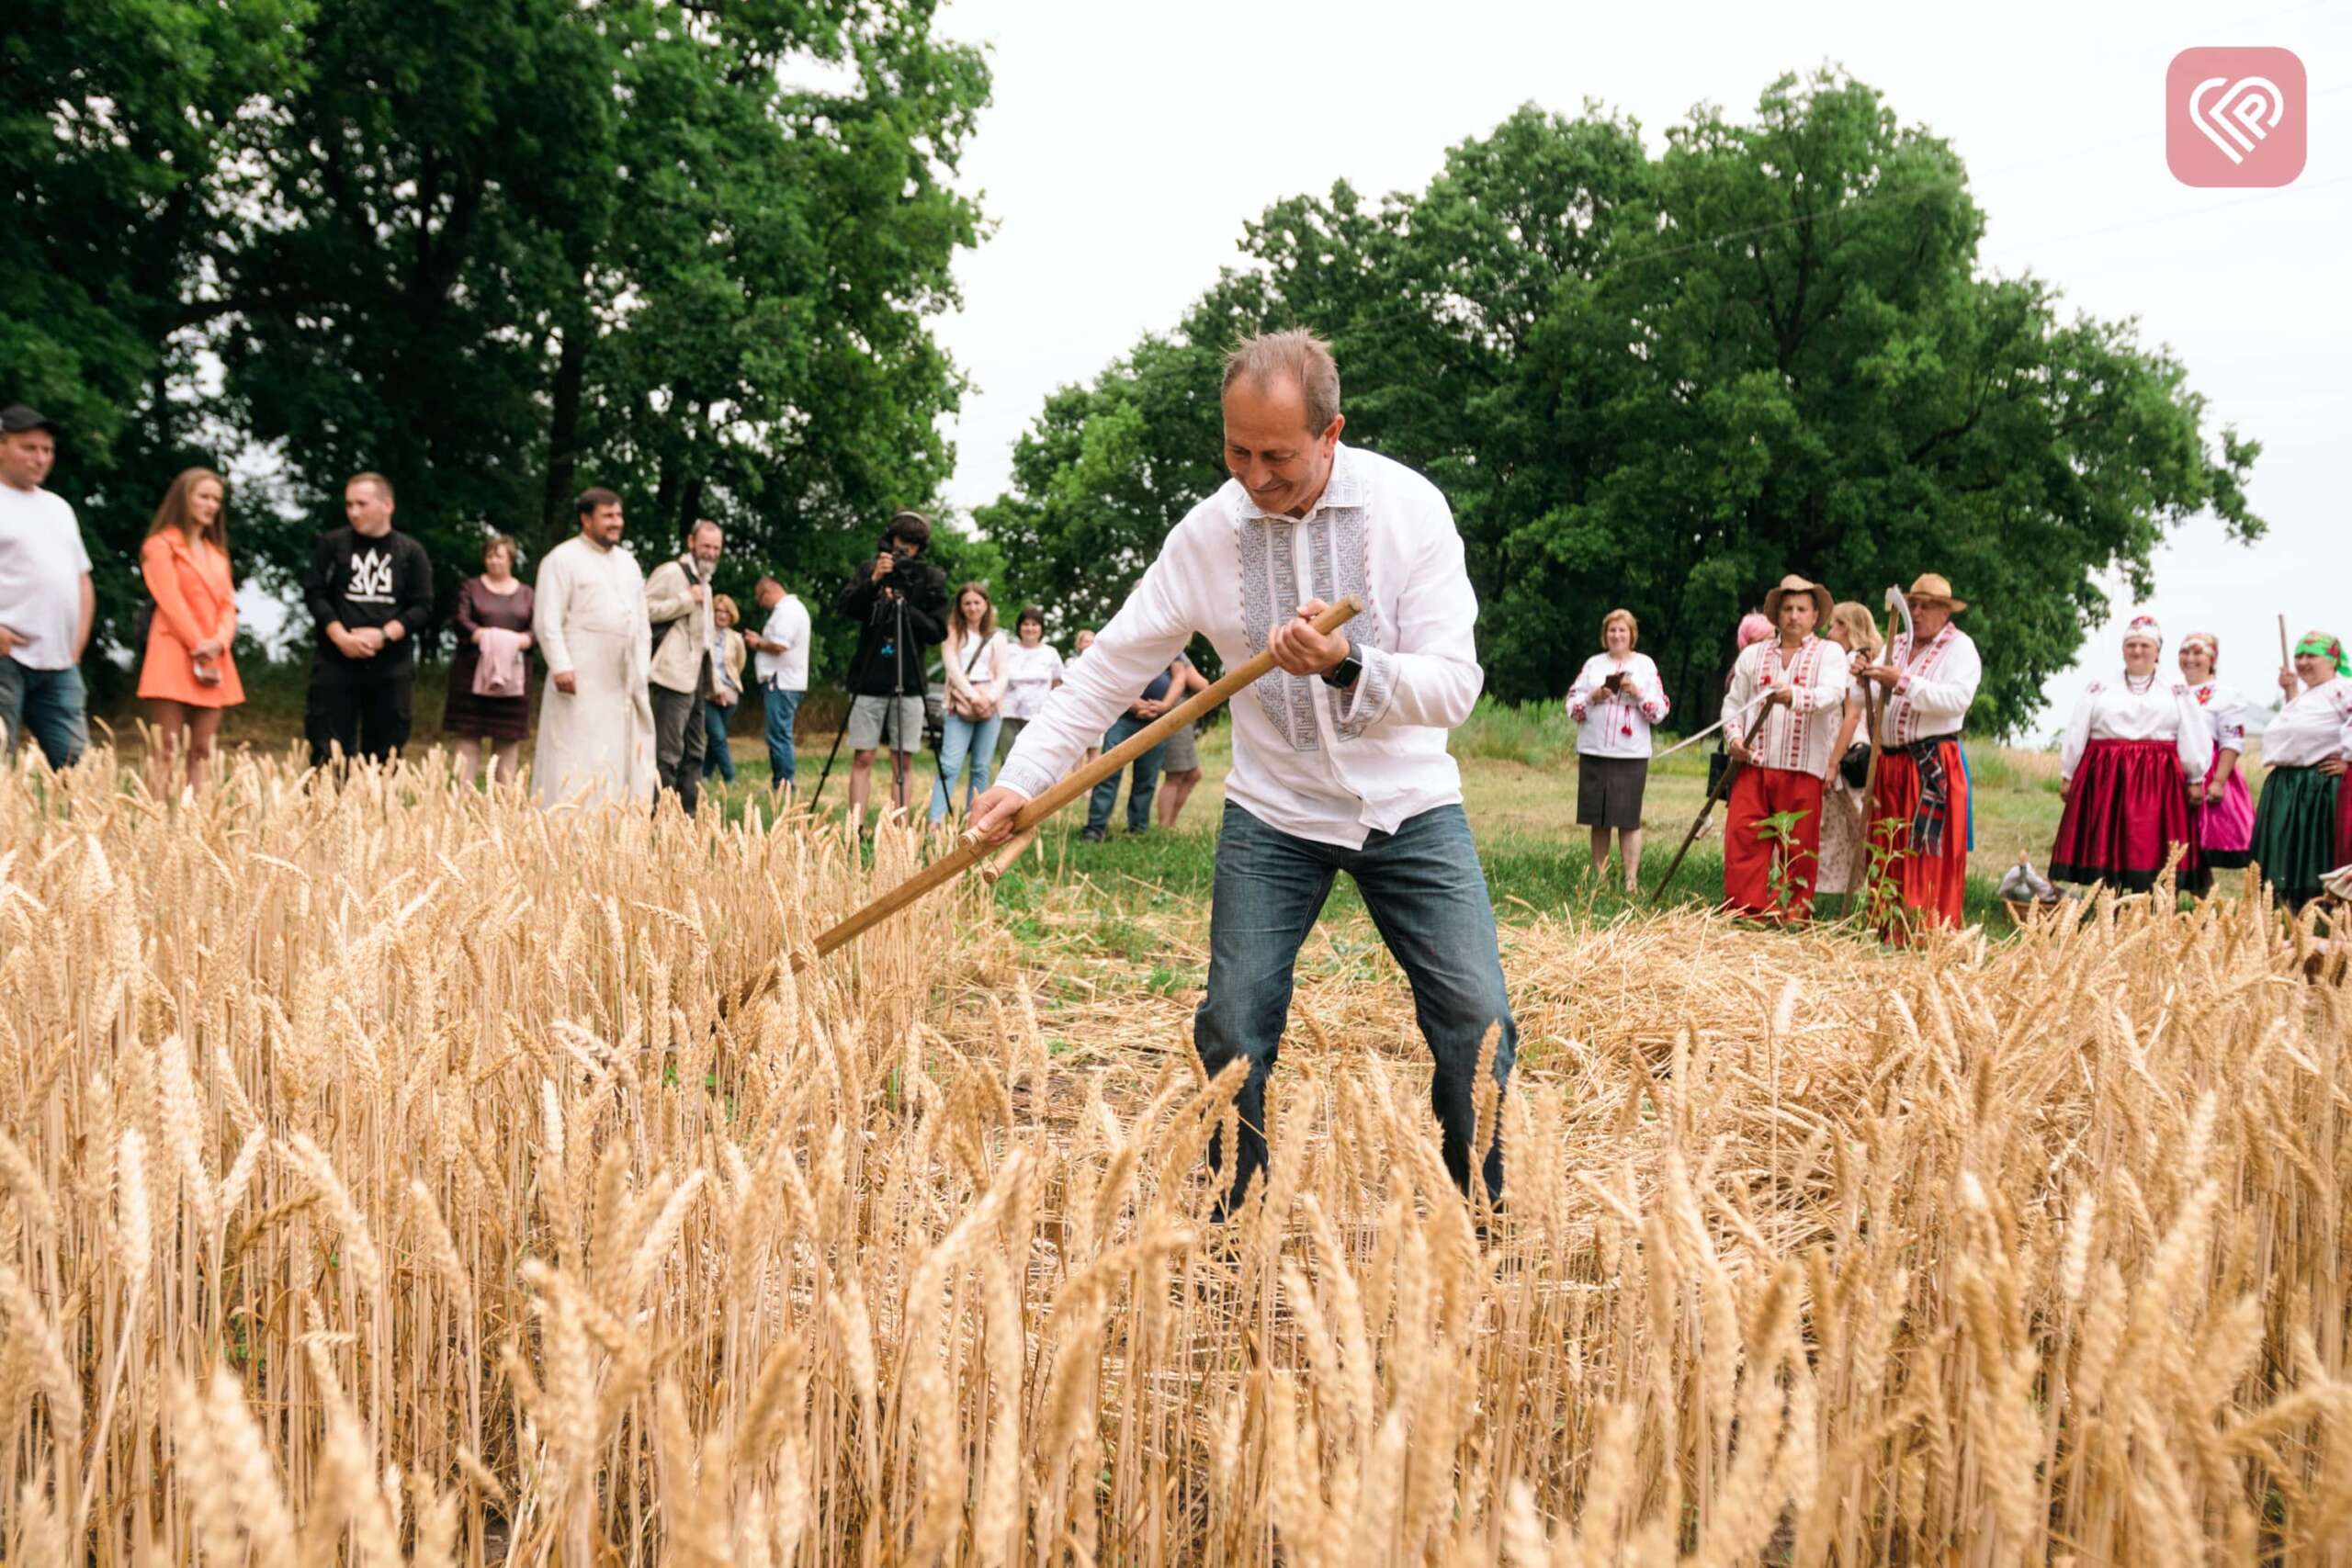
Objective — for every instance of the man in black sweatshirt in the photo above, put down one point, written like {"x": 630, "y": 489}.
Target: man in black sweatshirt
{"x": 370, "y": 594}
{"x": 899, "y": 601}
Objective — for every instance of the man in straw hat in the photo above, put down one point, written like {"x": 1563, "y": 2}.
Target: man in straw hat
{"x": 1338, "y": 756}
{"x": 1928, "y": 680}
{"x": 1787, "y": 694}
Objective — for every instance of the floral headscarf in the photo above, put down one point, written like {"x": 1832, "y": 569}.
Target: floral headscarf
{"x": 2326, "y": 647}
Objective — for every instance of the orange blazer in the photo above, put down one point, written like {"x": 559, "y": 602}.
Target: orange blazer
{"x": 195, "y": 600}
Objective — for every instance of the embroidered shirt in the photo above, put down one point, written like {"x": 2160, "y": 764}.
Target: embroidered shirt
{"x": 1937, "y": 687}
{"x": 2224, "y": 714}
{"x": 2164, "y": 710}
{"x": 1795, "y": 738}
{"x": 1617, "y": 725}
{"x": 2314, "y": 727}
{"x": 1309, "y": 759}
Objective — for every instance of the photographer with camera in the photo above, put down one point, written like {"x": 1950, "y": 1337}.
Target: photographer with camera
{"x": 899, "y": 601}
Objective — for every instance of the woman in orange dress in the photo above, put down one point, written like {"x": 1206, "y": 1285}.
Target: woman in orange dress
{"x": 186, "y": 674}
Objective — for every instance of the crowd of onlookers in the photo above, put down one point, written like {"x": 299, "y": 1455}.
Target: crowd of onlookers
{"x": 639, "y": 673}
{"x": 1833, "y": 733}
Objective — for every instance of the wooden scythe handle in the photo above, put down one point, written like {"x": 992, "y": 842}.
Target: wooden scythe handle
{"x": 969, "y": 849}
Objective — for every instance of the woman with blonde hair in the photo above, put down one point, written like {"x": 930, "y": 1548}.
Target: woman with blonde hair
{"x": 975, "y": 663}
{"x": 186, "y": 672}
{"x": 1844, "y": 811}
{"x": 727, "y": 674}
{"x": 1614, "y": 700}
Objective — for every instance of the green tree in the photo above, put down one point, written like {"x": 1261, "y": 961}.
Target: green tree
{"x": 1663, "y": 382}
{"x": 498, "y": 252}
{"x": 124, "y": 130}
{"x": 504, "y": 252}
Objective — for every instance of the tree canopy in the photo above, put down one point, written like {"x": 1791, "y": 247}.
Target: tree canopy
{"x": 498, "y": 252}
{"x": 1662, "y": 382}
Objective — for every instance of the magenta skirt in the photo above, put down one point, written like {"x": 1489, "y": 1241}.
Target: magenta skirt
{"x": 2225, "y": 829}
{"x": 2128, "y": 807}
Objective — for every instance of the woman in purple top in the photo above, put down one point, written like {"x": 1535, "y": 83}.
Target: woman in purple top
{"x": 499, "y": 601}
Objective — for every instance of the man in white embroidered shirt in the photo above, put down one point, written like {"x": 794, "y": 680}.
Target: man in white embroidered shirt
{"x": 1339, "y": 757}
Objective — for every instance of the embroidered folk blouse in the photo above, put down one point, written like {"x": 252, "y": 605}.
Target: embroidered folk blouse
{"x": 1618, "y": 725}
{"x": 2166, "y": 710}
{"x": 1797, "y": 738}
{"x": 2224, "y": 714}
{"x": 1937, "y": 685}
{"x": 2314, "y": 727}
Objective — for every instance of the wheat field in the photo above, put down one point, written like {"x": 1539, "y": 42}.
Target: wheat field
{"x": 395, "y": 1174}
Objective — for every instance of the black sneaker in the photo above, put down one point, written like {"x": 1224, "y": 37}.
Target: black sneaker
{"x": 1092, "y": 835}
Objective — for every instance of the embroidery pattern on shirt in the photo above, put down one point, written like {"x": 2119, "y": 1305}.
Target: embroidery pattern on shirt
{"x": 1342, "y": 551}
{"x": 1906, "y": 722}
{"x": 1799, "y": 673}
{"x": 1270, "y": 577}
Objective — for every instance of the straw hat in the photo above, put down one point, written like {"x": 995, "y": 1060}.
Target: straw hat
{"x": 1822, "y": 602}
{"x": 1931, "y": 588}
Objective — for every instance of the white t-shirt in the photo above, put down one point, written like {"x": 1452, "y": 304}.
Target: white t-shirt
{"x": 41, "y": 566}
{"x": 788, "y": 671}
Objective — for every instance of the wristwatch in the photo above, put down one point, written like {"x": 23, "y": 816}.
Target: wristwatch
{"x": 1344, "y": 674}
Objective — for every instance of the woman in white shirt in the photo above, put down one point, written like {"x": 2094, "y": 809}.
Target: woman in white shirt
{"x": 1033, "y": 668}
{"x": 2297, "y": 826}
{"x": 1844, "y": 812}
{"x": 975, "y": 660}
{"x": 2222, "y": 810}
{"x": 2135, "y": 754}
{"x": 1616, "y": 697}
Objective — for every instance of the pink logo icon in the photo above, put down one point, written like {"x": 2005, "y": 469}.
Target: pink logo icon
{"x": 2234, "y": 117}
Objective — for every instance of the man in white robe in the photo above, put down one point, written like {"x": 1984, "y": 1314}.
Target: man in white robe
{"x": 595, "y": 719}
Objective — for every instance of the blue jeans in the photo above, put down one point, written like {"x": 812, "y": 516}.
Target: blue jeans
{"x": 782, "y": 706}
{"x": 1139, "y": 792}
{"x": 1427, "y": 894}
{"x": 963, "y": 742}
{"x": 50, "y": 704}
{"x": 715, "y": 757}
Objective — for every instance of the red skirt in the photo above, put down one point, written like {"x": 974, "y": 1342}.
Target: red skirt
{"x": 2127, "y": 807}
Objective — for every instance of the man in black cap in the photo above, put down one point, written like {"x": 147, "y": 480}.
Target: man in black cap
{"x": 46, "y": 600}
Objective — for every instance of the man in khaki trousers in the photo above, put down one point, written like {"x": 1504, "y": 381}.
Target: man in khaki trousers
{"x": 677, "y": 601}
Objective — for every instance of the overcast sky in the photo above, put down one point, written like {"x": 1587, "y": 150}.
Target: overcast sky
{"x": 1127, "y": 145}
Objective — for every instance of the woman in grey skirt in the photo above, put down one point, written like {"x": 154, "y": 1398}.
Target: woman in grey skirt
{"x": 1616, "y": 698}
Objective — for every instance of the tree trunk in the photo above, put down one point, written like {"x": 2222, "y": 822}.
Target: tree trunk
{"x": 563, "y": 435}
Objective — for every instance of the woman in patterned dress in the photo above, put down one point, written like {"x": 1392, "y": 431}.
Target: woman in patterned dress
{"x": 1844, "y": 812}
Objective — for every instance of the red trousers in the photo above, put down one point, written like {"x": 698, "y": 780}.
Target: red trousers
{"x": 1935, "y": 886}
{"x": 1748, "y": 854}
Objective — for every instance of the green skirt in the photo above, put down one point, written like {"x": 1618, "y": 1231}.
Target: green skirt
{"x": 2294, "y": 832}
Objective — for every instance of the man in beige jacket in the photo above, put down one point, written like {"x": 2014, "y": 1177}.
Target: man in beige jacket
{"x": 677, "y": 601}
